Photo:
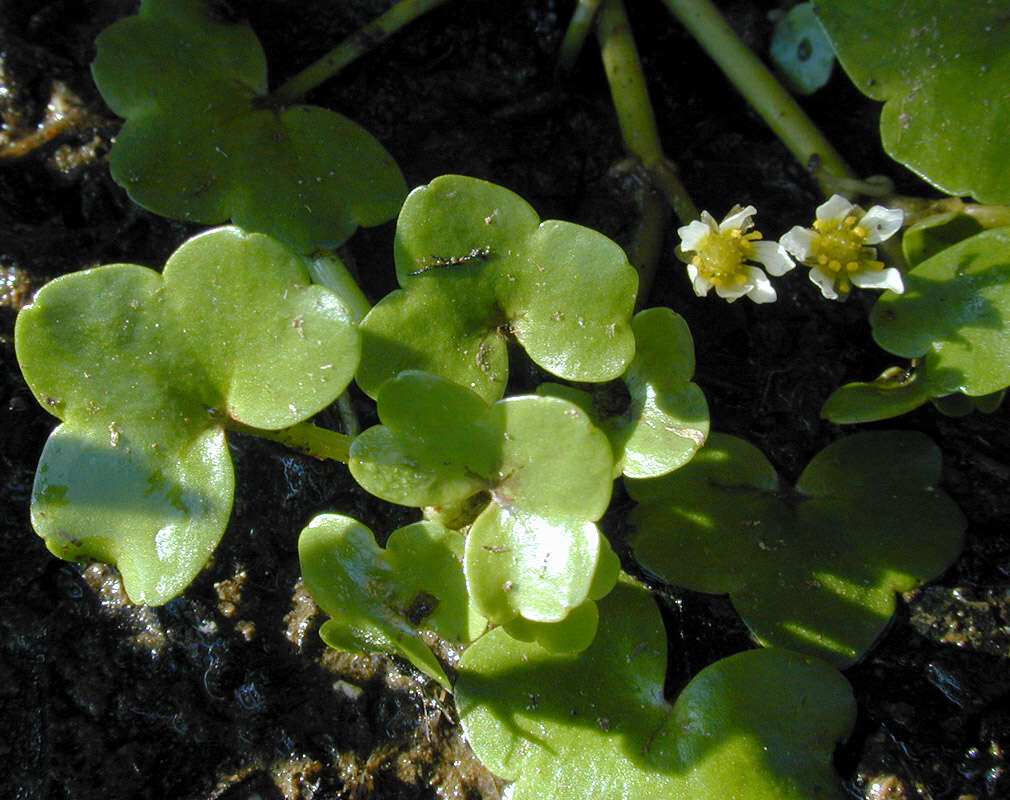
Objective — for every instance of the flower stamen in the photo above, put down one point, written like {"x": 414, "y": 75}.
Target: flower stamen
{"x": 723, "y": 256}
{"x": 836, "y": 247}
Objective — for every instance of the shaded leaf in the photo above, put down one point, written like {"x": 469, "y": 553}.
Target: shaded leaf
{"x": 198, "y": 134}
{"x": 954, "y": 315}
{"x": 815, "y": 568}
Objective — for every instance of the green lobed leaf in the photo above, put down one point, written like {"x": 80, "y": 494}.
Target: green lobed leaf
{"x": 665, "y": 420}
{"x": 760, "y": 725}
{"x": 895, "y": 392}
{"x": 954, "y": 314}
{"x": 942, "y": 66}
{"x": 145, "y": 371}
{"x": 961, "y": 405}
{"x": 200, "y": 142}
{"x": 378, "y": 598}
{"x": 815, "y": 568}
{"x": 533, "y": 551}
{"x": 477, "y": 267}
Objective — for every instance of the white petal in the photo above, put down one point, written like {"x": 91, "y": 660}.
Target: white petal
{"x": 836, "y": 207}
{"x": 692, "y": 234}
{"x": 889, "y": 278}
{"x": 774, "y": 257}
{"x": 736, "y": 292}
{"x": 762, "y": 290}
{"x": 739, "y": 219}
{"x": 825, "y": 282}
{"x": 881, "y": 223}
{"x": 701, "y": 286}
{"x": 798, "y": 241}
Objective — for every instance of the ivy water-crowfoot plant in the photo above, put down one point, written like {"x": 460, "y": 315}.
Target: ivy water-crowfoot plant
{"x": 560, "y": 685}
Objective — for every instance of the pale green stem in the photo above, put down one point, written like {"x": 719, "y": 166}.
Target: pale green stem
{"x": 304, "y": 437}
{"x": 641, "y": 139}
{"x": 761, "y": 89}
{"x": 918, "y": 208}
{"x": 634, "y": 109}
{"x": 356, "y": 45}
{"x": 328, "y": 270}
{"x": 575, "y": 37}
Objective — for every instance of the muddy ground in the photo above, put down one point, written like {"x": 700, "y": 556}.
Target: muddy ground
{"x": 227, "y": 691}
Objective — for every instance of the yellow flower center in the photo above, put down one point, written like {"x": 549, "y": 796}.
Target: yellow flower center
{"x": 840, "y": 247}
{"x": 722, "y": 256}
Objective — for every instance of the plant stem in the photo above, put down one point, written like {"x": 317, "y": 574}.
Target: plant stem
{"x": 356, "y": 45}
{"x": 327, "y": 269}
{"x": 761, "y": 89}
{"x": 575, "y": 36}
{"x": 634, "y": 109}
{"x": 641, "y": 139}
{"x": 321, "y": 443}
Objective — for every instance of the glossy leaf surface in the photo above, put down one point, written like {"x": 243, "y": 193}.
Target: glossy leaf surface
{"x": 760, "y": 725}
{"x": 815, "y": 567}
{"x": 665, "y": 420}
{"x": 477, "y": 267}
{"x": 954, "y": 314}
{"x": 534, "y": 550}
{"x": 942, "y": 66}
{"x": 200, "y": 143}
{"x": 379, "y": 598}
{"x": 936, "y": 233}
{"x": 146, "y": 370}
{"x": 896, "y": 391}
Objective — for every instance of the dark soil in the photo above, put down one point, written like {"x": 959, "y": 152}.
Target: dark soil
{"x": 227, "y": 692}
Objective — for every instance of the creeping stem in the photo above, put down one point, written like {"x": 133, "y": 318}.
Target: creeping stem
{"x": 374, "y": 33}
{"x": 761, "y": 89}
{"x": 304, "y": 437}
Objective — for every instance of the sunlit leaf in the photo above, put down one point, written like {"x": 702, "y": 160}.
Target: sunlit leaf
{"x": 477, "y": 267}
{"x": 942, "y": 66}
{"x": 146, "y": 371}
{"x": 378, "y": 598}
{"x": 760, "y": 725}
{"x": 545, "y": 469}
{"x": 663, "y": 419}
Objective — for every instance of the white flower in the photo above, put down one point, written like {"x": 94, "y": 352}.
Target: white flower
{"x": 836, "y": 248}
{"x": 722, "y": 252}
